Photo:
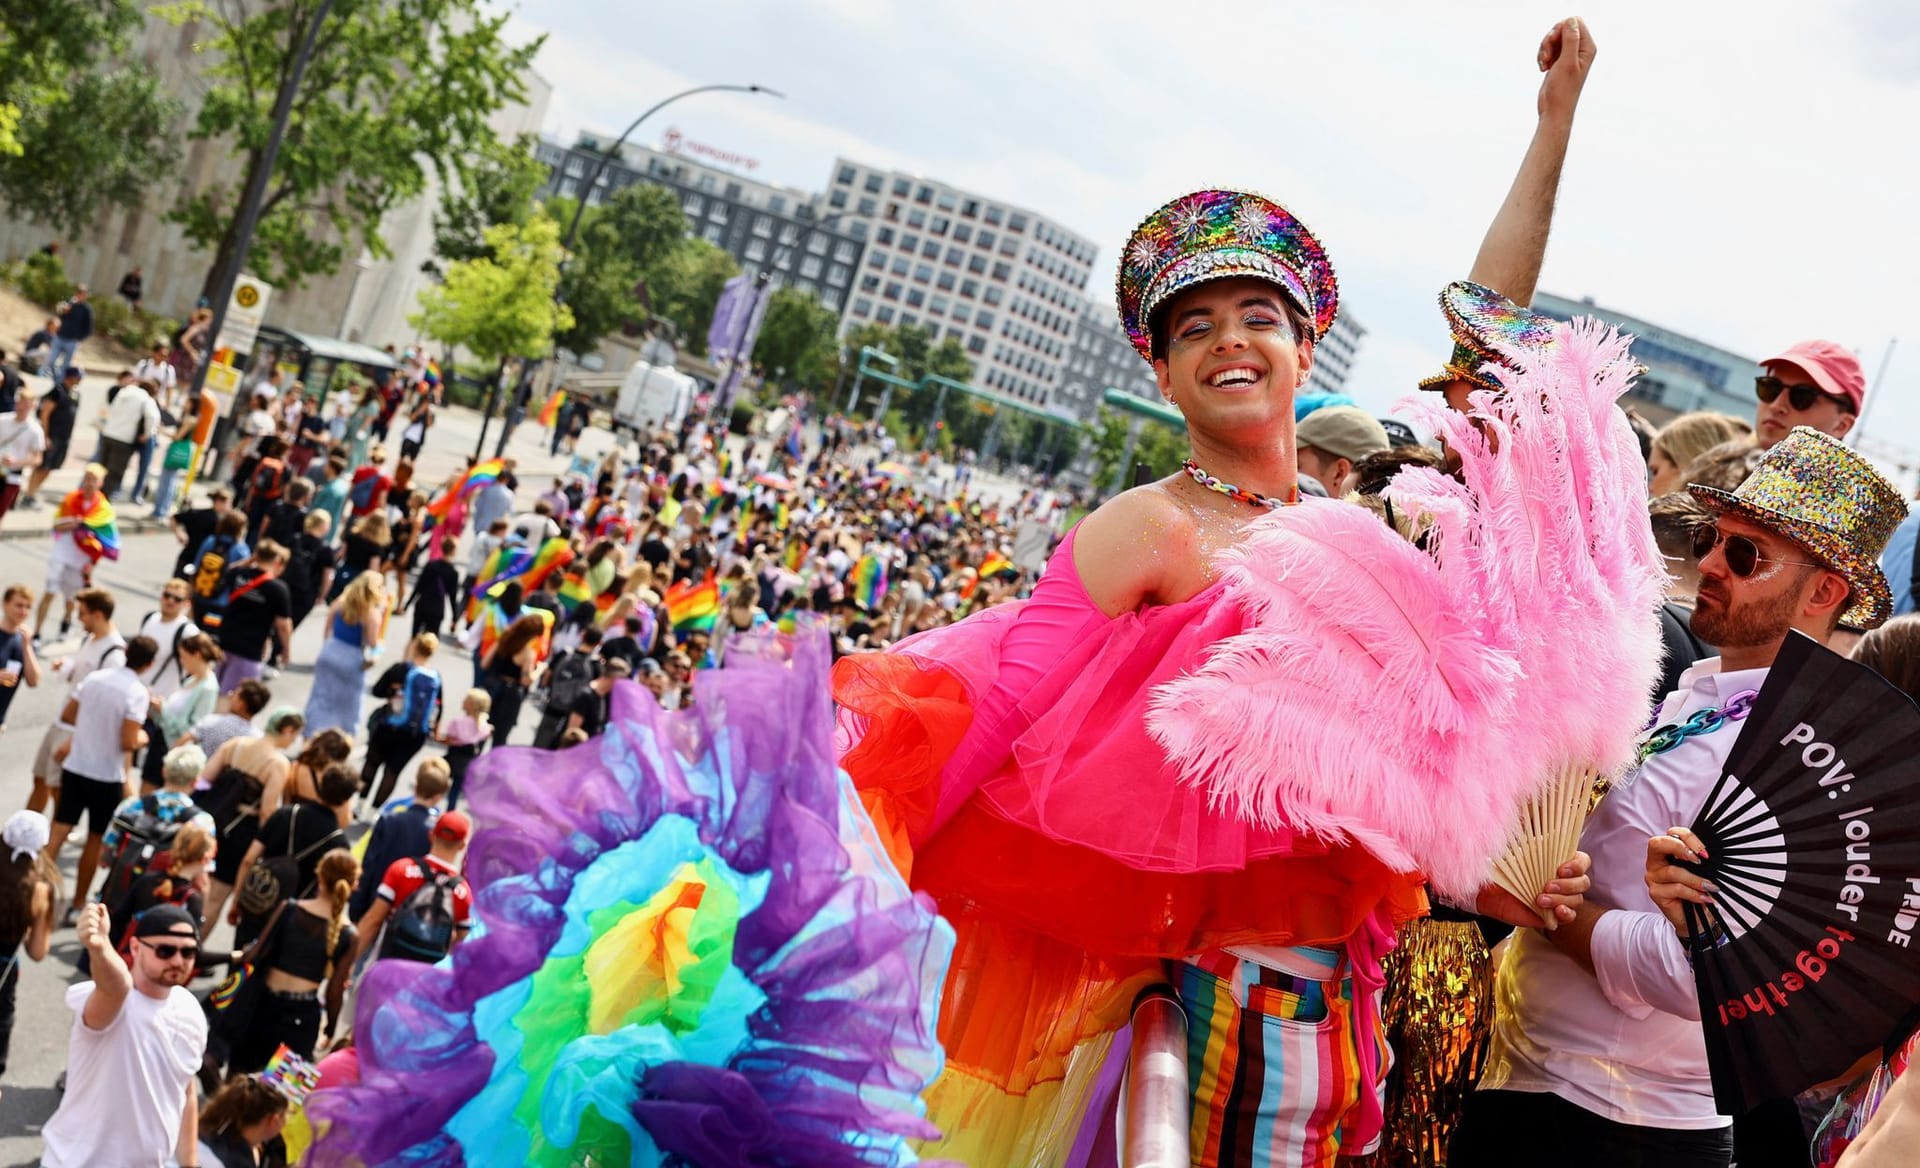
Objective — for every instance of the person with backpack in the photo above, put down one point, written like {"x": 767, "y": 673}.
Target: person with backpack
{"x": 310, "y": 564}
{"x": 244, "y": 781}
{"x": 401, "y": 831}
{"x": 259, "y": 608}
{"x": 145, "y": 826}
{"x": 367, "y": 494}
{"x": 412, "y": 691}
{"x": 304, "y": 956}
{"x": 176, "y": 875}
{"x": 287, "y": 517}
{"x": 423, "y": 907}
{"x": 281, "y": 861}
{"x": 266, "y": 482}
{"x": 206, "y": 568}
{"x": 569, "y": 676}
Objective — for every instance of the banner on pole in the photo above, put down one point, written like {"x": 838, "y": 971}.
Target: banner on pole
{"x": 245, "y": 312}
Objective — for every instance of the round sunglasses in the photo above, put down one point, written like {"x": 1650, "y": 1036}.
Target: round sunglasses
{"x": 1800, "y": 397}
{"x": 1742, "y": 554}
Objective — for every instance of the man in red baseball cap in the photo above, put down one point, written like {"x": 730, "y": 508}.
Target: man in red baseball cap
{"x": 424, "y": 906}
{"x": 1815, "y": 383}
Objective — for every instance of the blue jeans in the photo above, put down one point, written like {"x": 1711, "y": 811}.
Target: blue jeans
{"x": 145, "y": 452}
{"x": 61, "y": 357}
{"x": 163, "y": 494}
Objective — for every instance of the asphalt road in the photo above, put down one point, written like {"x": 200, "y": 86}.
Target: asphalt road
{"x": 39, "y": 1049}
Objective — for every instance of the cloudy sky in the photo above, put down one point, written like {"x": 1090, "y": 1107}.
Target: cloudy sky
{"x": 1745, "y": 173}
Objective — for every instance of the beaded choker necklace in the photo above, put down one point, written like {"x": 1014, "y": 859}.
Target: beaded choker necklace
{"x": 1232, "y": 492}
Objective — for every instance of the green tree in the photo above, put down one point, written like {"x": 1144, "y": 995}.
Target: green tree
{"x": 79, "y": 130}
{"x": 499, "y": 188}
{"x": 685, "y": 288}
{"x": 797, "y": 335}
{"x": 396, "y": 88}
{"x": 500, "y": 305}
{"x": 1161, "y": 447}
{"x": 621, "y": 246}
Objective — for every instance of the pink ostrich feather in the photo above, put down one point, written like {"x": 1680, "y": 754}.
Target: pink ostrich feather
{"x": 1411, "y": 700}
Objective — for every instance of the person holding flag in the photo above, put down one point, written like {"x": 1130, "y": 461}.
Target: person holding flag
{"x": 84, "y": 533}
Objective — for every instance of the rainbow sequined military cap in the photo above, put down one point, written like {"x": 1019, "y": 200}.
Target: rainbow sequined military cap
{"x": 1218, "y": 235}
{"x": 1483, "y": 322}
{"x": 1829, "y": 500}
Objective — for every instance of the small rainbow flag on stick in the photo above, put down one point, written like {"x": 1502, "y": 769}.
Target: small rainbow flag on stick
{"x": 95, "y": 534}
{"x": 693, "y": 608}
{"x": 869, "y": 582}
{"x": 550, "y": 413}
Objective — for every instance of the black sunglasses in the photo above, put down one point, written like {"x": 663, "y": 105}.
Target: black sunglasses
{"x": 1800, "y": 397}
{"x": 1742, "y": 554}
{"x": 169, "y": 952}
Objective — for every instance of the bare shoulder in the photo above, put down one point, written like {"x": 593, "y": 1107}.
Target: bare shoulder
{"x": 1123, "y": 550}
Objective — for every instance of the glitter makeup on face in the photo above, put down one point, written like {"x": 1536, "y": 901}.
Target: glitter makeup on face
{"x": 1215, "y": 235}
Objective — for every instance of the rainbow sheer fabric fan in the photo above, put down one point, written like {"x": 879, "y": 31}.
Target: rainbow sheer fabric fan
{"x": 692, "y": 951}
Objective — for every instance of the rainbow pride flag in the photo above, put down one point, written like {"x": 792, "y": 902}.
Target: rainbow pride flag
{"x": 480, "y": 476}
{"x": 796, "y": 554}
{"x": 550, "y": 413}
{"x": 693, "y": 608}
{"x": 996, "y": 563}
{"x": 95, "y": 533}
{"x": 431, "y": 374}
{"x": 511, "y": 563}
{"x": 869, "y": 582}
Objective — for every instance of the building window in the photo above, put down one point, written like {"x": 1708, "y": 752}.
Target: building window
{"x": 993, "y": 216}
{"x": 830, "y": 299}
{"x": 884, "y": 235}
{"x": 847, "y": 175}
{"x": 984, "y": 320}
{"x": 718, "y": 213}
{"x": 568, "y": 186}
{"x": 713, "y": 234}
{"x": 694, "y": 204}
{"x": 874, "y": 184}
{"x": 930, "y": 250}
{"x": 810, "y": 268}
{"x": 837, "y": 274}
{"x": 1002, "y": 271}
{"x": 708, "y": 183}
{"x": 970, "y": 208}
{"x": 1016, "y": 222}
{"x": 945, "y": 282}
{"x": 843, "y": 251}
{"x": 783, "y": 260}
{"x": 962, "y": 233}
{"x": 893, "y": 291}
{"x": 986, "y": 240}
{"x": 867, "y": 206}
{"x": 857, "y": 229}
{"x": 977, "y": 264}
{"x": 763, "y": 226}
{"x": 900, "y": 265}
{"x": 876, "y": 261}
{"x": 916, "y": 218}
{"x": 756, "y": 249}
{"x": 869, "y": 283}
{"x": 837, "y": 199}
{"x": 970, "y": 288}
{"x": 909, "y": 242}
{"x": 976, "y": 344}
{"x": 923, "y": 273}
{"x": 940, "y": 224}
{"x": 789, "y": 234}
{"x": 1009, "y": 246}
{"x": 991, "y": 296}
{"x": 863, "y": 307}
{"x": 733, "y": 191}
{"x": 908, "y": 320}
{"x": 885, "y": 315}
{"x": 817, "y": 243}
{"x": 938, "y": 306}
{"x": 901, "y": 187}
{"x": 777, "y": 204}
{"x": 954, "y": 256}
{"x": 924, "y": 194}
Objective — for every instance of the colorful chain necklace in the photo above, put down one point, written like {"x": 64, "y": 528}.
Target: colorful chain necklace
{"x": 1232, "y": 492}
{"x": 1699, "y": 722}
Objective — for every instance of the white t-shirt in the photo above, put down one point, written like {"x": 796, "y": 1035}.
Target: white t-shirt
{"x": 164, "y": 676}
{"x": 126, "y": 1084}
{"x": 22, "y": 442}
{"x": 158, "y": 372}
{"x": 94, "y": 653}
{"x": 107, "y": 699}
{"x": 130, "y": 410}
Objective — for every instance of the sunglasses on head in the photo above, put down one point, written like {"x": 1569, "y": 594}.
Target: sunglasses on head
{"x": 1800, "y": 397}
{"x": 169, "y": 952}
{"x": 1742, "y": 554}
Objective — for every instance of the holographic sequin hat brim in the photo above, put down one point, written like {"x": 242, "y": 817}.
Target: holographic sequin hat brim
{"x": 1484, "y": 324}
{"x": 1829, "y": 500}
{"x": 1216, "y": 235}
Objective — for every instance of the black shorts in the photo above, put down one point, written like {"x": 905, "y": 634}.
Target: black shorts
{"x": 55, "y": 454}
{"x": 80, "y": 795}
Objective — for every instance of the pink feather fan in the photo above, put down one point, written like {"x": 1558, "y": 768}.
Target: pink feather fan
{"x": 1413, "y": 700}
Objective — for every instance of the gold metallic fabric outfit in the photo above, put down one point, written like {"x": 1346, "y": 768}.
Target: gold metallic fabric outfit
{"x": 1438, "y": 1016}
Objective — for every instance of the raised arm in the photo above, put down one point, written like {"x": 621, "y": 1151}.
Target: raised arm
{"x": 1516, "y": 244}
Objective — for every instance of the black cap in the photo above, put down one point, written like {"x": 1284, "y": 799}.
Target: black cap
{"x": 164, "y": 920}
{"x": 1399, "y": 433}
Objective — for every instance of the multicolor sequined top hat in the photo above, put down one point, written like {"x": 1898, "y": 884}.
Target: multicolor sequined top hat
{"x": 1827, "y": 499}
{"x": 1481, "y": 320}
{"x": 1217, "y": 235}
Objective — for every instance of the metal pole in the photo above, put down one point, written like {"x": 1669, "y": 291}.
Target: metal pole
{"x": 1158, "y": 1107}
{"x": 933, "y": 423}
{"x": 853, "y": 399}
{"x": 250, "y": 201}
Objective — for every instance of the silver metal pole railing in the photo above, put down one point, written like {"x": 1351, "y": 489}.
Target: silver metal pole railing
{"x": 1157, "y": 1101}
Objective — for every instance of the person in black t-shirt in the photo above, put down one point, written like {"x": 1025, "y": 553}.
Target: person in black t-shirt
{"x": 192, "y": 528}
{"x": 300, "y": 830}
{"x": 626, "y": 647}
{"x": 58, "y": 408}
{"x": 285, "y": 518}
{"x": 592, "y": 708}
{"x": 18, "y": 665}
{"x": 434, "y": 592}
{"x": 259, "y": 608}
{"x": 310, "y": 564}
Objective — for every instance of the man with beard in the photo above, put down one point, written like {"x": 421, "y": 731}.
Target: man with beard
{"x": 138, "y": 1038}
{"x": 1597, "y": 1054}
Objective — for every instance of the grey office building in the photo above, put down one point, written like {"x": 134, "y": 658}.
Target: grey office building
{"x": 1101, "y": 359}
{"x": 762, "y": 226}
{"x": 1683, "y": 374}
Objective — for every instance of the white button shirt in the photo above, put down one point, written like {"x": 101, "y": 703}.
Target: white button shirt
{"x": 1623, "y": 1042}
